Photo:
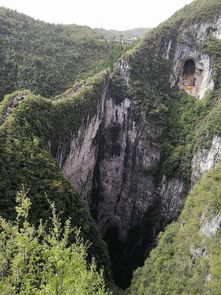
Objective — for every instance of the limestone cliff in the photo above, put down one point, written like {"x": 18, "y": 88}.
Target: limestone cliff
{"x": 115, "y": 157}
{"x": 188, "y": 253}
{"x": 206, "y": 159}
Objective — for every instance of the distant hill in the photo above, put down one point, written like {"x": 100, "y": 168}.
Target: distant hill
{"x": 128, "y": 35}
{"x": 48, "y": 58}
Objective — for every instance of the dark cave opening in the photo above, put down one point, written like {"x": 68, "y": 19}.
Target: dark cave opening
{"x": 191, "y": 77}
{"x": 189, "y": 67}
{"x": 189, "y": 71}
{"x": 127, "y": 255}
{"x": 122, "y": 266}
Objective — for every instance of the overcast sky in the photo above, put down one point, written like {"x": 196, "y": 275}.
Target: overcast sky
{"x": 109, "y": 14}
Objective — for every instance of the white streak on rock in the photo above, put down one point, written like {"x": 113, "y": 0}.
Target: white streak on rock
{"x": 205, "y": 160}
{"x": 211, "y": 228}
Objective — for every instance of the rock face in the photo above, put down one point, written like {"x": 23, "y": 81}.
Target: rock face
{"x": 210, "y": 228}
{"x": 79, "y": 165}
{"x": 183, "y": 53}
{"x": 204, "y": 160}
{"x": 114, "y": 160}
{"x": 199, "y": 32}
{"x": 13, "y": 103}
{"x": 173, "y": 193}
{"x": 178, "y": 52}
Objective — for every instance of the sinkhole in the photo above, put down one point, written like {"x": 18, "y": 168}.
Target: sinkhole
{"x": 130, "y": 253}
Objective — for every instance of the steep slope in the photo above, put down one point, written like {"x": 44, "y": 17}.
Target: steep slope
{"x": 27, "y": 121}
{"x": 47, "y": 58}
{"x": 187, "y": 259}
{"x": 132, "y": 160}
{"x": 133, "y": 141}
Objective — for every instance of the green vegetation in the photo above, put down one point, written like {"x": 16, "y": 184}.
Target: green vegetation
{"x": 40, "y": 260}
{"x": 185, "y": 260}
{"x": 184, "y": 114}
{"x": 34, "y": 124}
{"x": 210, "y": 124}
{"x": 183, "y": 121}
{"x": 197, "y": 11}
{"x": 149, "y": 79}
{"x": 212, "y": 46}
{"x": 47, "y": 58}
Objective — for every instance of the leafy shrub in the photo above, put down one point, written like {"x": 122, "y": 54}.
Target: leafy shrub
{"x": 40, "y": 260}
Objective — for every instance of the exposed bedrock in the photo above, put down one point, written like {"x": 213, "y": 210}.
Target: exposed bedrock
{"x": 200, "y": 31}
{"x": 114, "y": 160}
{"x": 180, "y": 54}
{"x": 186, "y": 46}
{"x": 201, "y": 75}
{"x": 206, "y": 159}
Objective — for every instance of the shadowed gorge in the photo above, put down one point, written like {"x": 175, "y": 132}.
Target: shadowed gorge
{"x": 131, "y": 156}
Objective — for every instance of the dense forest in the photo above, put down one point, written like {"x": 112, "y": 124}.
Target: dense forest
{"x": 47, "y": 58}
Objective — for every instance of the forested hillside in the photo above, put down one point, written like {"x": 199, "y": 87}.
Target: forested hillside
{"x": 28, "y": 123}
{"x": 47, "y": 58}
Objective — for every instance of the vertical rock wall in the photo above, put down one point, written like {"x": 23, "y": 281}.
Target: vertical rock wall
{"x": 114, "y": 160}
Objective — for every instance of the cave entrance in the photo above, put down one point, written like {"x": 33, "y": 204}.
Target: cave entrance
{"x": 189, "y": 68}
{"x": 122, "y": 264}
{"x": 191, "y": 77}
{"x": 189, "y": 72}
{"x": 129, "y": 253}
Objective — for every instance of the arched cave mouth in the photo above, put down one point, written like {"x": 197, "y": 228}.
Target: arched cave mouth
{"x": 191, "y": 77}
{"x": 189, "y": 73}
{"x": 189, "y": 68}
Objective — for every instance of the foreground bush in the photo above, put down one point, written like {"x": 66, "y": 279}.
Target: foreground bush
{"x": 36, "y": 261}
